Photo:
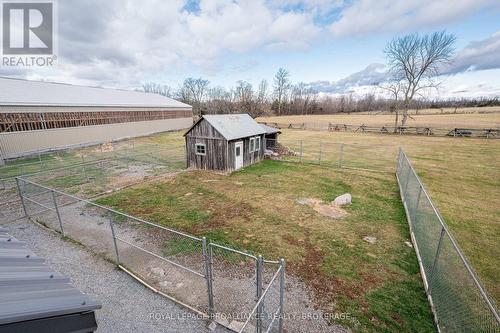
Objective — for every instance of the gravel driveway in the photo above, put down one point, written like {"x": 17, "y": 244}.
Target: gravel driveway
{"x": 127, "y": 306}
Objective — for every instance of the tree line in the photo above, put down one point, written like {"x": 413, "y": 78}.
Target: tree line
{"x": 414, "y": 63}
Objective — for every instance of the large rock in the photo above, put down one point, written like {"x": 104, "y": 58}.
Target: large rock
{"x": 370, "y": 239}
{"x": 344, "y": 199}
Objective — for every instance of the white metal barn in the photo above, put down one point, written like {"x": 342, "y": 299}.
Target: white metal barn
{"x": 38, "y": 116}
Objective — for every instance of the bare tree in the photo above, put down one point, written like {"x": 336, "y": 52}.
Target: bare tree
{"x": 193, "y": 91}
{"x": 281, "y": 86}
{"x": 395, "y": 88}
{"x": 416, "y": 61}
{"x": 156, "y": 88}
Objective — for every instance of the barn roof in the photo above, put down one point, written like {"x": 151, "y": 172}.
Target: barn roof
{"x": 269, "y": 129}
{"x": 30, "y": 290}
{"x": 234, "y": 126}
{"x": 17, "y": 92}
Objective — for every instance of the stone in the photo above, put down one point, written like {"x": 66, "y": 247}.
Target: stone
{"x": 344, "y": 199}
{"x": 408, "y": 244}
{"x": 188, "y": 194}
{"x": 370, "y": 239}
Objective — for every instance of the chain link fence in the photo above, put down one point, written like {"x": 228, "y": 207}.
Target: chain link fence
{"x": 458, "y": 300}
{"x": 43, "y": 161}
{"x": 355, "y": 156}
{"x": 228, "y": 286}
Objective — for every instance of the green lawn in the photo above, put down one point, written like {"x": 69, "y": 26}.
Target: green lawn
{"x": 462, "y": 176}
{"x": 256, "y": 209}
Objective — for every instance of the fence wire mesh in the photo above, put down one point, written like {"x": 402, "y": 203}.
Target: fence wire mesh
{"x": 357, "y": 156}
{"x": 458, "y": 300}
{"x": 214, "y": 280}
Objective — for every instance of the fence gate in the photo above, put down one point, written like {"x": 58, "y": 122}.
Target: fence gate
{"x": 245, "y": 291}
{"x": 233, "y": 285}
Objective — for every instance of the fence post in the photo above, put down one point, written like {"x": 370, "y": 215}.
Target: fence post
{"x": 341, "y": 156}
{"x": 320, "y": 151}
{"x": 407, "y": 181}
{"x": 208, "y": 275}
{"x": 301, "y": 150}
{"x": 21, "y": 195}
{"x": 85, "y": 170}
{"x": 398, "y": 162}
{"x": 114, "y": 239}
{"x": 259, "y": 293}
{"x": 282, "y": 296}
{"x": 57, "y": 211}
{"x": 414, "y": 220}
{"x": 40, "y": 161}
{"x": 434, "y": 264}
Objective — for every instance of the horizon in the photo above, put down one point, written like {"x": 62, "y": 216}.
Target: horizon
{"x": 335, "y": 47}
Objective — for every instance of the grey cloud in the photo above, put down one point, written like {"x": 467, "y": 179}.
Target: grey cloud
{"x": 373, "y": 74}
{"x": 478, "y": 55}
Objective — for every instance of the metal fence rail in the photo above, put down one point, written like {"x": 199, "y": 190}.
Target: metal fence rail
{"x": 216, "y": 281}
{"x": 457, "y": 298}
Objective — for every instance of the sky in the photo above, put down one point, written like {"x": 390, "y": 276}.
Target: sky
{"x": 333, "y": 46}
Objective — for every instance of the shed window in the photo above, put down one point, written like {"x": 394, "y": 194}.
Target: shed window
{"x": 255, "y": 144}
{"x": 201, "y": 149}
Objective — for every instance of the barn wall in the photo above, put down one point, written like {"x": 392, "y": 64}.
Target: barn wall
{"x": 15, "y": 144}
{"x": 215, "y": 159}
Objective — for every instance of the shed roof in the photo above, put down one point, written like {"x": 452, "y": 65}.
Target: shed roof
{"x": 17, "y": 92}
{"x": 30, "y": 289}
{"x": 233, "y": 126}
{"x": 269, "y": 129}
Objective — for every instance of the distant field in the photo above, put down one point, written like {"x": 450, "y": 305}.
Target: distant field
{"x": 489, "y": 119}
{"x": 462, "y": 176}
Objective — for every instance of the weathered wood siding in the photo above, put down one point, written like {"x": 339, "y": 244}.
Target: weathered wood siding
{"x": 216, "y": 148}
{"x": 248, "y": 157}
{"x": 215, "y": 158}
{"x": 220, "y": 154}
{"x": 204, "y": 129}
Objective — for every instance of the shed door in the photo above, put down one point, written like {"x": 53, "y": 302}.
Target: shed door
{"x": 238, "y": 155}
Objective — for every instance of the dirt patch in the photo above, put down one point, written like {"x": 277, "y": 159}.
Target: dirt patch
{"x": 329, "y": 210}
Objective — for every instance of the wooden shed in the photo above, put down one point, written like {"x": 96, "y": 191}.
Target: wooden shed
{"x": 224, "y": 142}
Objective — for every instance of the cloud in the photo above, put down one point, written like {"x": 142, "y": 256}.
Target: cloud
{"x": 379, "y": 16}
{"x": 478, "y": 55}
{"x": 372, "y": 75}
{"x": 121, "y": 43}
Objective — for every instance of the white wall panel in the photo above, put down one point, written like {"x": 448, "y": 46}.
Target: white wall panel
{"x": 14, "y": 144}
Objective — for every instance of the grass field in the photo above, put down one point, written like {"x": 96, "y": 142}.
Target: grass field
{"x": 463, "y": 178}
{"x": 489, "y": 119}
{"x": 257, "y": 209}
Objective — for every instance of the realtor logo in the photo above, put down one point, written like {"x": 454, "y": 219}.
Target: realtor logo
{"x": 28, "y": 33}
